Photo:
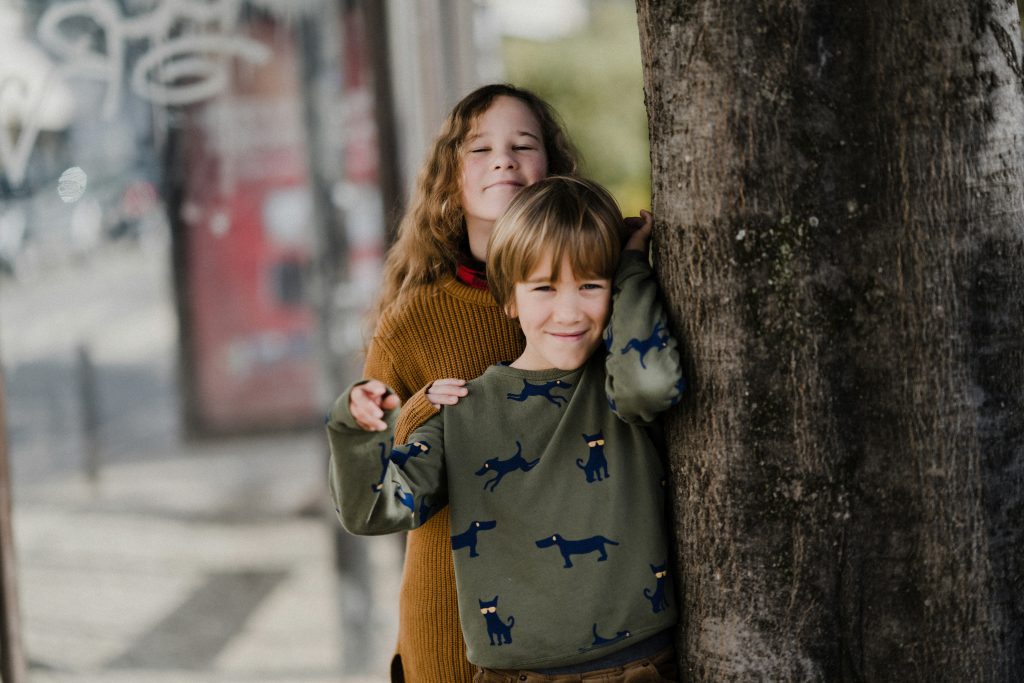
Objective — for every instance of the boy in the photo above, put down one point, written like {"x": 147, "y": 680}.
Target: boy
{"x": 556, "y": 491}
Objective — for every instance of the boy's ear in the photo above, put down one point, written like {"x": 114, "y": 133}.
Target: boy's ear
{"x": 510, "y": 309}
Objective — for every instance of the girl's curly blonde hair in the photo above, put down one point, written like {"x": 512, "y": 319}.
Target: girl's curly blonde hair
{"x": 433, "y": 231}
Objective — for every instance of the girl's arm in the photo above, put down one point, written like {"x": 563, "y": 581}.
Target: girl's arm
{"x": 644, "y": 374}
{"x": 379, "y": 488}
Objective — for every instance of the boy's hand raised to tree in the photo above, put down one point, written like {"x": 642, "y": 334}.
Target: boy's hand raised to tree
{"x": 367, "y": 403}
{"x": 638, "y": 230}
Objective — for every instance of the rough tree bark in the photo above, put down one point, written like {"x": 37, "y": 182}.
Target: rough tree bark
{"x": 839, "y": 192}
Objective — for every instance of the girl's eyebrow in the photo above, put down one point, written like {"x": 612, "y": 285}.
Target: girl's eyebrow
{"x": 523, "y": 133}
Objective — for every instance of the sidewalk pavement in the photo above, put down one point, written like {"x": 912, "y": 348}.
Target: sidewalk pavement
{"x": 214, "y": 562}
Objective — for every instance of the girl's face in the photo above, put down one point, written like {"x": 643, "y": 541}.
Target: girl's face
{"x": 503, "y": 153}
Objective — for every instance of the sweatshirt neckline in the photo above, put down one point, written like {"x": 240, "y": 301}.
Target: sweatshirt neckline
{"x": 534, "y": 375}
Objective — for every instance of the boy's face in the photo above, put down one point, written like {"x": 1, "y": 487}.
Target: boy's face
{"x": 563, "y": 320}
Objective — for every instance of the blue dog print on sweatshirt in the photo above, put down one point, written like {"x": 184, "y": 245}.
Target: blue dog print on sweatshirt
{"x": 659, "y": 601}
{"x": 427, "y": 509}
{"x": 680, "y": 390}
{"x": 468, "y": 538}
{"x": 385, "y": 458}
{"x": 496, "y": 628}
{"x": 503, "y": 467}
{"x": 594, "y": 544}
{"x": 601, "y": 641}
{"x": 658, "y": 340}
{"x": 596, "y": 467}
{"x": 405, "y": 498}
{"x": 543, "y": 391}
{"x": 416, "y": 449}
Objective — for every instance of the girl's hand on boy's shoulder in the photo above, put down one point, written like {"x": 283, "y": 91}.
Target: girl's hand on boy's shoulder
{"x": 638, "y": 229}
{"x": 446, "y": 392}
{"x": 367, "y": 403}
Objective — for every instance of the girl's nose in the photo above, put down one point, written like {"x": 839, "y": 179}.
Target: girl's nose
{"x": 504, "y": 159}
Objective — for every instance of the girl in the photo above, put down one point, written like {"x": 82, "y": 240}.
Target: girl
{"x": 436, "y": 321}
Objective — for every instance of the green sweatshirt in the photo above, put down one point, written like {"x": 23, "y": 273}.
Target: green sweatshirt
{"x": 555, "y": 487}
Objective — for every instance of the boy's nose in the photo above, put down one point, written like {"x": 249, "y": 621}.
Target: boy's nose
{"x": 567, "y": 310}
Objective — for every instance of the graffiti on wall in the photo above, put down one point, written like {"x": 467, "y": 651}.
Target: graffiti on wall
{"x": 173, "y": 53}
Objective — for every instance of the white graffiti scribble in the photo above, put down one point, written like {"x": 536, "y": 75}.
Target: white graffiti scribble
{"x": 24, "y": 105}
{"x": 182, "y": 52}
{"x": 189, "y": 43}
{"x": 172, "y": 74}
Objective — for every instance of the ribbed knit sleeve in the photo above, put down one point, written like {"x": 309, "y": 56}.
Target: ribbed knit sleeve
{"x": 417, "y": 410}
{"x": 442, "y": 330}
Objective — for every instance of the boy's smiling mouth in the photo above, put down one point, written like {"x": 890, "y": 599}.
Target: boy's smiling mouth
{"x": 568, "y": 336}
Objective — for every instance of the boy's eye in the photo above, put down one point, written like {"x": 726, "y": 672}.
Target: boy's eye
{"x": 542, "y": 288}
{"x": 593, "y": 285}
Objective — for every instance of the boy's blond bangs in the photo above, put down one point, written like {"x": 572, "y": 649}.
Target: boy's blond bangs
{"x": 558, "y": 215}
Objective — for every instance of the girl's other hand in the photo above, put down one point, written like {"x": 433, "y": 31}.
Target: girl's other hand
{"x": 639, "y": 231}
{"x": 446, "y": 392}
{"x": 367, "y": 403}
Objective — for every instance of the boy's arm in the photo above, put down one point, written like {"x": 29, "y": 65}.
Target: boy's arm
{"x": 644, "y": 375}
{"x": 379, "y": 488}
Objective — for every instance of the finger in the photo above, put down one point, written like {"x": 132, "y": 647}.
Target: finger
{"x": 648, "y": 217}
{"x": 634, "y": 222}
{"x": 445, "y": 399}
{"x": 364, "y": 409}
{"x": 448, "y": 381}
{"x": 369, "y": 419}
{"x": 363, "y": 403}
{"x": 447, "y": 390}
{"x": 390, "y": 401}
{"x": 374, "y": 388}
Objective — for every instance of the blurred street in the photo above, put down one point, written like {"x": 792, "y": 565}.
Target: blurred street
{"x": 146, "y": 557}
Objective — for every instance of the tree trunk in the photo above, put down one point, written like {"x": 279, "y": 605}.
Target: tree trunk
{"x": 839, "y": 195}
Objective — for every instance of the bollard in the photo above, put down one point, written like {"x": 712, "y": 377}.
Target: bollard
{"x": 89, "y": 399}
{"x": 12, "y": 654}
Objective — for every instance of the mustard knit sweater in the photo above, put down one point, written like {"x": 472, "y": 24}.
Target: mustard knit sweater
{"x": 443, "y": 330}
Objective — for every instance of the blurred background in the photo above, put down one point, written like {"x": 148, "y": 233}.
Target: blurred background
{"x": 195, "y": 198}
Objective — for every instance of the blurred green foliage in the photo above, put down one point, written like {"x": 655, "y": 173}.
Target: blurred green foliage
{"x": 594, "y": 79}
